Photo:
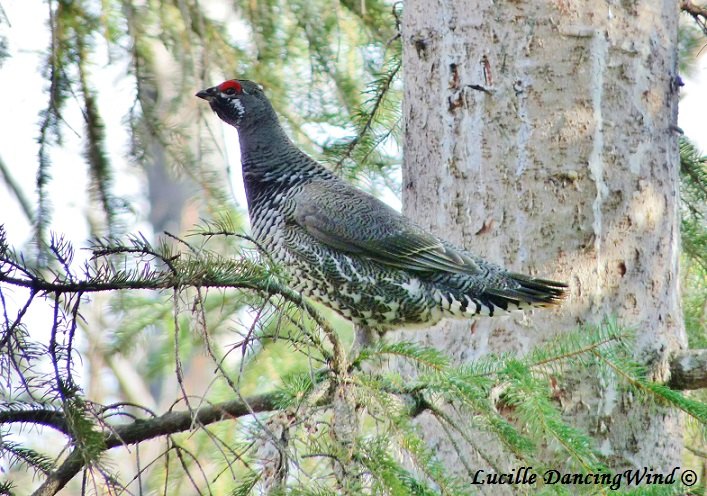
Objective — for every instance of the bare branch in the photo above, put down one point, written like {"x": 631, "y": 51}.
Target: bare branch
{"x": 688, "y": 370}
{"x": 698, "y": 13}
{"x": 39, "y": 416}
{"x": 142, "y": 430}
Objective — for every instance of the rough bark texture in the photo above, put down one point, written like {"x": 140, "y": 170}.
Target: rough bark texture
{"x": 541, "y": 135}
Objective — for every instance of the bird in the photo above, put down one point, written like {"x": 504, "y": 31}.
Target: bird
{"x": 344, "y": 248}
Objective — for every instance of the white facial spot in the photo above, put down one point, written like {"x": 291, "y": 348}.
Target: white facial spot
{"x": 238, "y": 107}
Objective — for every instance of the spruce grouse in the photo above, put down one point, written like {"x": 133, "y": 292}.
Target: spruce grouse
{"x": 347, "y": 249}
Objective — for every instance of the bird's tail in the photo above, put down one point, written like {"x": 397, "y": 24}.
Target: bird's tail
{"x": 523, "y": 292}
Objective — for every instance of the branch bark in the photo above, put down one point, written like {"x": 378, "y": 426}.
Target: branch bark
{"x": 142, "y": 430}
{"x": 698, "y": 13}
{"x": 688, "y": 370}
{"x": 692, "y": 9}
{"x": 37, "y": 416}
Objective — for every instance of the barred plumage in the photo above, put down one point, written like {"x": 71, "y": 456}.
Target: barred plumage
{"x": 347, "y": 249}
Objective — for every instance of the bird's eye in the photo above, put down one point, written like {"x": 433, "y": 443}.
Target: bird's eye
{"x": 229, "y": 91}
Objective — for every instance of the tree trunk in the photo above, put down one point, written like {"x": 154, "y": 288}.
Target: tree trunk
{"x": 541, "y": 135}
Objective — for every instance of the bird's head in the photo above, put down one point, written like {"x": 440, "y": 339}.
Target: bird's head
{"x": 238, "y": 102}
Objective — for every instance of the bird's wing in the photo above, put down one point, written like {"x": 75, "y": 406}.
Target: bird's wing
{"x": 352, "y": 221}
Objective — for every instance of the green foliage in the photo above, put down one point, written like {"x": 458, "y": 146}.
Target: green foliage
{"x": 690, "y": 44}
{"x": 377, "y": 124}
{"x": 527, "y": 395}
{"x": 3, "y": 54}
{"x": 246, "y": 484}
{"x": 73, "y": 28}
{"x": 693, "y": 195}
{"x": 389, "y": 477}
{"x": 17, "y": 453}
{"x": 423, "y": 357}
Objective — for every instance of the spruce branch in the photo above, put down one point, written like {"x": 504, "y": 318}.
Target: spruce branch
{"x": 367, "y": 118}
{"x": 17, "y": 453}
{"x": 693, "y": 198}
{"x": 99, "y": 164}
{"x": 183, "y": 271}
{"x": 634, "y": 376}
{"x": 164, "y": 425}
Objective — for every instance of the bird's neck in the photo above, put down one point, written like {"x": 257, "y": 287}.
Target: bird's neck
{"x": 269, "y": 156}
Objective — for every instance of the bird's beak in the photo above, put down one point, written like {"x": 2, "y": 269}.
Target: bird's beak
{"x": 208, "y": 94}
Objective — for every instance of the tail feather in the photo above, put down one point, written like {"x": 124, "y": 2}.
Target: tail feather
{"x": 529, "y": 291}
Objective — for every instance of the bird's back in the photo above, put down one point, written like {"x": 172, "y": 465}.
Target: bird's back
{"x": 332, "y": 239}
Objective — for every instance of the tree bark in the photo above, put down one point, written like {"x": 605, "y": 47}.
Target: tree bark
{"x": 542, "y": 136}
